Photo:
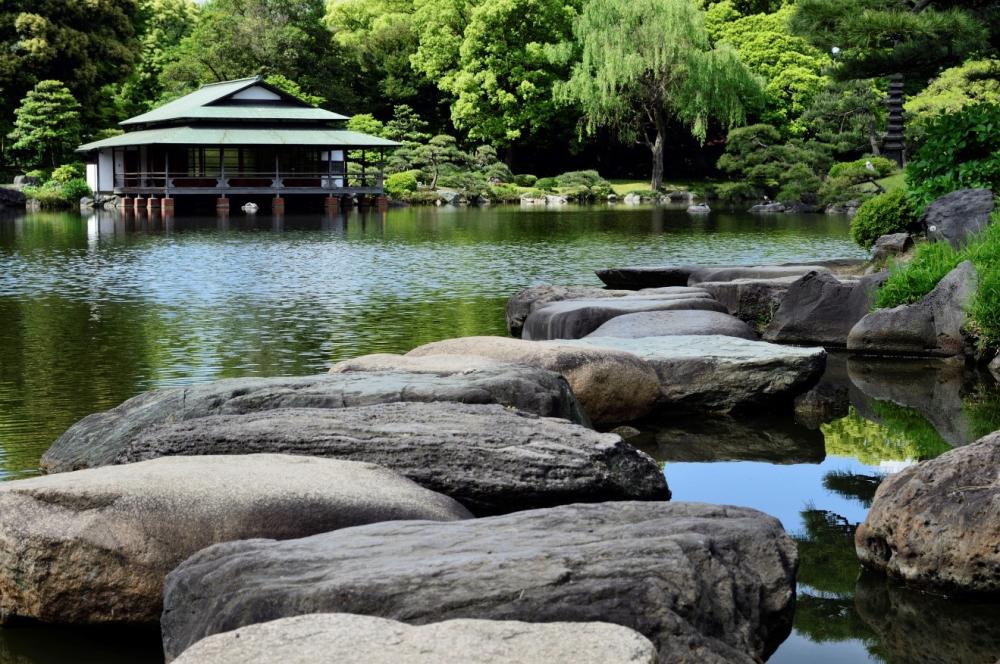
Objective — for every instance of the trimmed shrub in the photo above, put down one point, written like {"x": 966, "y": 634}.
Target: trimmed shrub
{"x": 75, "y": 189}
{"x": 504, "y": 193}
{"x": 547, "y": 184}
{"x": 499, "y": 172}
{"x": 960, "y": 150}
{"x": 53, "y": 194}
{"x": 881, "y": 215}
{"x": 68, "y": 172}
{"x": 40, "y": 173}
{"x": 525, "y": 180}
{"x": 399, "y": 183}
{"x": 733, "y": 192}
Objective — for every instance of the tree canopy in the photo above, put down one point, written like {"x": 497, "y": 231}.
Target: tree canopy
{"x": 47, "y": 124}
{"x": 655, "y": 68}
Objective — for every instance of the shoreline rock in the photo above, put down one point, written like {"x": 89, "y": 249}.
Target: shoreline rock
{"x": 669, "y": 323}
{"x": 94, "y": 546}
{"x": 704, "y": 583}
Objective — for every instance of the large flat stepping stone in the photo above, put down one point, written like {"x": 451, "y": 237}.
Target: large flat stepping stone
{"x": 704, "y": 583}
{"x": 721, "y": 374}
{"x": 734, "y": 272}
{"x": 490, "y": 458}
{"x": 667, "y": 323}
{"x": 574, "y": 319}
{"x": 612, "y": 386}
{"x": 93, "y": 546}
{"x": 352, "y": 639}
{"x": 525, "y": 302}
{"x": 96, "y": 439}
{"x": 936, "y": 524}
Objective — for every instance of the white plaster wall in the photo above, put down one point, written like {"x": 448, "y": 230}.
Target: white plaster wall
{"x": 107, "y": 183}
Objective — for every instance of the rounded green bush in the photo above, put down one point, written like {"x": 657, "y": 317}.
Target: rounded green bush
{"x": 547, "y": 184}
{"x": 525, "y": 180}
{"x": 398, "y": 183}
{"x": 75, "y": 189}
{"x": 881, "y": 215}
{"x": 68, "y": 172}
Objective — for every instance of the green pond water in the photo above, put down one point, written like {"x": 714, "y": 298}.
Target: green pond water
{"x": 95, "y": 309}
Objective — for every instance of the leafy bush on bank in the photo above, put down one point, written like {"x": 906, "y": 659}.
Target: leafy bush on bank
{"x": 64, "y": 192}
{"x": 881, "y": 215}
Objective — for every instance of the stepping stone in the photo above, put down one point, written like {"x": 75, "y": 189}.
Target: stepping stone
{"x": 721, "y": 374}
{"x": 704, "y": 583}
{"x": 490, "y": 458}
{"x": 612, "y": 386}
{"x": 668, "y": 323}
{"x": 352, "y": 639}
{"x": 96, "y": 439}
{"x": 574, "y": 319}
{"x": 93, "y": 546}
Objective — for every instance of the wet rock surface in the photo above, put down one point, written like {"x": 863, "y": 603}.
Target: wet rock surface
{"x": 353, "y": 639}
{"x": 753, "y": 301}
{"x": 97, "y": 439}
{"x": 522, "y": 303}
{"x": 722, "y": 374}
{"x": 611, "y": 385}
{"x": 489, "y": 458}
{"x": 704, "y": 583}
{"x": 935, "y": 524}
{"x": 94, "y": 546}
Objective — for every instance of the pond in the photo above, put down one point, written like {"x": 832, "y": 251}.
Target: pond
{"x": 95, "y": 309}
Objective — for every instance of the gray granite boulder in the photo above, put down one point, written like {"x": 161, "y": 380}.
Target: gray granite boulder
{"x": 636, "y": 278}
{"x": 490, "y": 458}
{"x": 94, "y": 546}
{"x": 12, "y": 198}
{"x": 612, "y": 386}
{"x": 352, "y": 639}
{"x": 722, "y": 374}
{"x": 96, "y": 439}
{"x": 821, "y": 309}
{"x": 936, "y": 524}
{"x": 704, "y": 583}
{"x": 767, "y": 208}
{"x": 933, "y": 326}
{"x": 889, "y": 246}
{"x": 753, "y": 301}
{"x": 955, "y": 217}
{"x": 573, "y": 319}
{"x": 667, "y": 323}
{"x": 523, "y": 303}
{"x": 756, "y": 272}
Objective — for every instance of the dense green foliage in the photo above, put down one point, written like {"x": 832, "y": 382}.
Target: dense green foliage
{"x": 959, "y": 150}
{"x": 656, "y": 67}
{"x": 974, "y": 82}
{"x": 931, "y": 262}
{"x": 881, "y": 215}
{"x": 784, "y": 170}
{"x": 46, "y": 125}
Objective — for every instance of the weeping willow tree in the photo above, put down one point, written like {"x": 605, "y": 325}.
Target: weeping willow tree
{"x": 647, "y": 65}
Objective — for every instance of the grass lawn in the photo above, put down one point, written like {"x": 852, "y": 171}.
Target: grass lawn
{"x": 893, "y": 182}
{"x": 622, "y": 187}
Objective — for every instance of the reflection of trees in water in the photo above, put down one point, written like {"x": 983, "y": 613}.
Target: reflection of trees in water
{"x": 827, "y": 561}
{"x": 901, "y": 435}
{"x": 853, "y": 485}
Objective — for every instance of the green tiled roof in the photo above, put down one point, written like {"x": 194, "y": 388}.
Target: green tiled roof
{"x": 242, "y": 136}
{"x": 197, "y": 105}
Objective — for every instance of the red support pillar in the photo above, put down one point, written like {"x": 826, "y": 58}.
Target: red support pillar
{"x": 222, "y": 205}
{"x": 332, "y": 204}
{"x": 126, "y": 203}
{"x": 140, "y": 203}
{"x": 382, "y": 203}
{"x": 167, "y": 205}
{"x": 153, "y": 204}
{"x": 277, "y": 205}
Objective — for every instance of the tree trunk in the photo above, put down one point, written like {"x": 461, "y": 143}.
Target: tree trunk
{"x": 656, "y": 181}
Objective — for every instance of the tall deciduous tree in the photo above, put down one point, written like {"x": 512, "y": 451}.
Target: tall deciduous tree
{"x": 503, "y": 84}
{"x": 47, "y": 125}
{"x": 86, "y": 44}
{"x": 239, "y": 38}
{"x": 647, "y": 64}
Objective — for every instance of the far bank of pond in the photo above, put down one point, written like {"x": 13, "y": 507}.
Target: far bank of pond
{"x": 96, "y": 309}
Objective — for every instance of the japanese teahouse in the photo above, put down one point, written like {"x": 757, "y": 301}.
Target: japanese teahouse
{"x": 237, "y": 140}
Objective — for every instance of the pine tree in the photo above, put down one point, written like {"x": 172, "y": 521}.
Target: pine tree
{"x": 46, "y": 125}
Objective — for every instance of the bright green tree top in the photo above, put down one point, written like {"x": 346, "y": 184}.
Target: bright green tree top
{"x": 973, "y": 82}
{"x": 47, "y": 124}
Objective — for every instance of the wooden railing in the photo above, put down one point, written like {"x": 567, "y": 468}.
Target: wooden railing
{"x": 265, "y": 181}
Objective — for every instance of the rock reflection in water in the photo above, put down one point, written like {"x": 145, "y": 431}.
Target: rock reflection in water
{"x": 45, "y": 644}
{"x": 722, "y": 438}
